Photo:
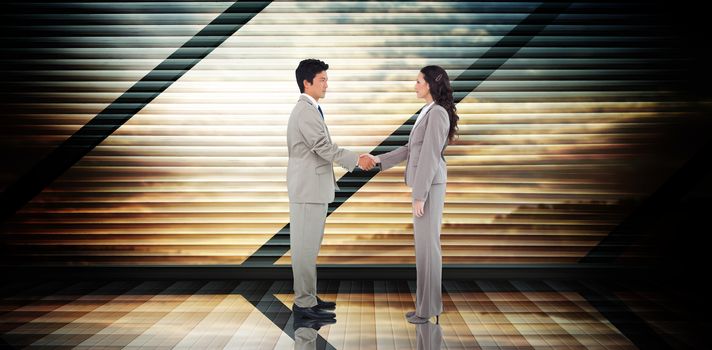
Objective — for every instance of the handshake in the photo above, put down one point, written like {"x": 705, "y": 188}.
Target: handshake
{"x": 367, "y": 161}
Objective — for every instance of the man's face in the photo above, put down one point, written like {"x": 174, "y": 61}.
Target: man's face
{"x": 318, "y": 88}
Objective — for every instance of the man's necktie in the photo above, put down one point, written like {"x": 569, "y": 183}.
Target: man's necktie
{"x": 322, "y": 113}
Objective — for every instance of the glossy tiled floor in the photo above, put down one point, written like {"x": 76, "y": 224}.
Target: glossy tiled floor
{"x": 480, "y": 314}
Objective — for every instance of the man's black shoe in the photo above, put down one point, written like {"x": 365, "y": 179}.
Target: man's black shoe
{"x": 312, "y": 312}
{"x": 324, "y": 305}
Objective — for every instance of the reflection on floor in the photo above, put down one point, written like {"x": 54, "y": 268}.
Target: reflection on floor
{"x": 479, "y": 314}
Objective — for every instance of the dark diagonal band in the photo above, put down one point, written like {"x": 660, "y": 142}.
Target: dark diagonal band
{"x": 126, "y": 106}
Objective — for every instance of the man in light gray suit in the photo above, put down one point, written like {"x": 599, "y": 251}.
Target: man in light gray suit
{"x": 311, "y": 184}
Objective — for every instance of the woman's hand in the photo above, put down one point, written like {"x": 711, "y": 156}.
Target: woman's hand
{"x": 418, "y": 206}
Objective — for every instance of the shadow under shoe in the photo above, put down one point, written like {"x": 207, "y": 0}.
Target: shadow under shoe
{"x": 415, "y": 319}
{"x": 311, "y": 313}
{"x": 310, "y": 323}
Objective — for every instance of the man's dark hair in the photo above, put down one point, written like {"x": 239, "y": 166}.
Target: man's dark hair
{"x": 307, "y": 70}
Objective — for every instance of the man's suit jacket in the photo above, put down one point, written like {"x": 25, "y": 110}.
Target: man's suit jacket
{"x": 424, "y": 153}
{"x": 310, "y": 173}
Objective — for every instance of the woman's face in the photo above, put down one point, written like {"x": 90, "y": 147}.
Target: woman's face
{"x": 422, "y": 88}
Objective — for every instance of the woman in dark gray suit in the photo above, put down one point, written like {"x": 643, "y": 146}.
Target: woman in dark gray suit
{"x": 426, "y": 174}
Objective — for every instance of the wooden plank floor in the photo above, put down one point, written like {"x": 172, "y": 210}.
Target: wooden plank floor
{"x": 479, "y": 314}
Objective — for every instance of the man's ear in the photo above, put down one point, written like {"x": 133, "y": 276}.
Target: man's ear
{"x": 305, "y": 82}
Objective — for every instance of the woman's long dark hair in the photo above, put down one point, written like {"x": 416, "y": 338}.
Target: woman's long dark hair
{"x": 441, "y": 91}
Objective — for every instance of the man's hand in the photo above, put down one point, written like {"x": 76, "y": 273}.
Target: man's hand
{"x": 366, "y": 161}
